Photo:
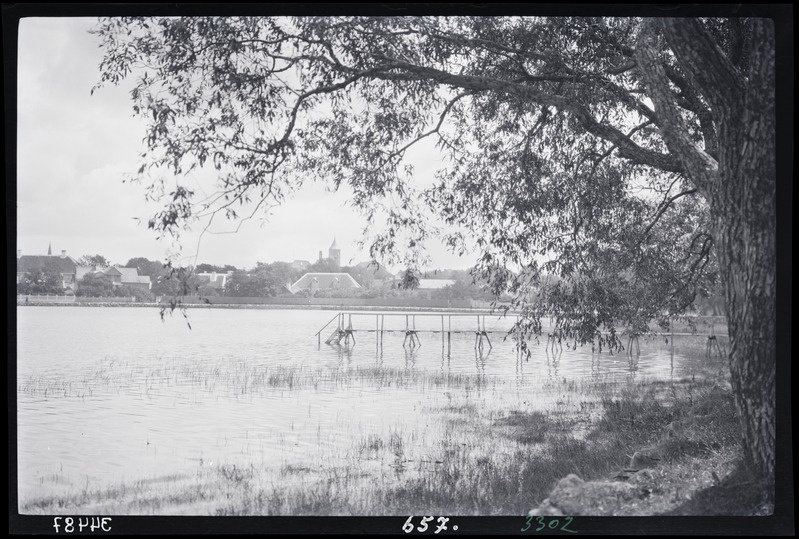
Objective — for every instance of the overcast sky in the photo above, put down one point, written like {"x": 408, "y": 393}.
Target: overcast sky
{"x": 74, "y": 150}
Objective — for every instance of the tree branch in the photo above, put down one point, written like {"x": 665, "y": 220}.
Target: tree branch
{"x": 627, "y": 148}
{"x": 663, "y": 207}
{"x": 706, "y": 65}
{"x": 609, "y": 151}
{"x": 700, "y": 166}
{"x": 436, "y": 129}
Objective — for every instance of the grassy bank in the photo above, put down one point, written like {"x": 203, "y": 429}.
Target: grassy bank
{"x": 504, "y": 460}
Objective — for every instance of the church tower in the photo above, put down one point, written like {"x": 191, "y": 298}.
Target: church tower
{"x": 334, "y": 253}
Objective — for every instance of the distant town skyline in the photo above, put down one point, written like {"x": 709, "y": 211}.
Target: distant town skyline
{"x": 75, "y": 149}
{"x": 324, "y": 252}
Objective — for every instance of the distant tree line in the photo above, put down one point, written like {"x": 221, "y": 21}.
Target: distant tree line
{"x": 41, "y": 281}
{"x": 263, "y": 280}
{"x": 272, "y": 280}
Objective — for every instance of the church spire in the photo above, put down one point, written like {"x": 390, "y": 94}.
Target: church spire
{"x": 334, "y": 252}
{"x": 50, "y": 249}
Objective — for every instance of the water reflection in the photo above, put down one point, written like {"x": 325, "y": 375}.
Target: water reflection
{"x": 480, "y": 361}
{"x": 632, "y": 359}
{"x": 521, "y": 359}
{"x": 379, "y": 355}
{"x": 411, "y": 353}
{"x": 671, "y": 359}
{"x": 553, "y": 360}
{"x": 554, "y": 341}
{"x": 596, "y": 366}
{"x": 412, "y": 339}
{"x": 345, "y": 354}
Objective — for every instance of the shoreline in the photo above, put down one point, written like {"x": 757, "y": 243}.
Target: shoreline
{"x": 721, "y": 332}
{"x": 267, "y": 306}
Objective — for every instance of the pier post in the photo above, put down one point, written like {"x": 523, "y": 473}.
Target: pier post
{"x": 671, "y": 337}
{"x": 449, "y": 335}
{"x": 442, "y": 334}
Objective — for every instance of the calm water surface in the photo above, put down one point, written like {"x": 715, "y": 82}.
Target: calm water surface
{"x": 108, "y": 395}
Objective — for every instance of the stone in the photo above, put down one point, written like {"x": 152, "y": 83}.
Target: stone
{"x": 573, "y": 496}
{"x": 546, "y": 509}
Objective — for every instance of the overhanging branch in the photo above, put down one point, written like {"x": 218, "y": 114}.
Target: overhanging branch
{"x": 397, "y": 70}
{"x": 665, "y": 205}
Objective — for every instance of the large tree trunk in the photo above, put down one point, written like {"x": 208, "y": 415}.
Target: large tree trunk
{"x": 740, "y": 186}
{"x": 745, "y": 219}
{"x": 746, "y": 256}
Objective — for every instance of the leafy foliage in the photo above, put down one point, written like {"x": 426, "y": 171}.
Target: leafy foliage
{"x": 267, "y": 280}
{"x": 555, "y": 164}
{"x": 465, "y": 287}
{"x": 144, "y": 266}
{"x": 140, "y": 293}
{"x": 324, "y": 265}
{"x": 210, "y": 268}
{"x": 408, "y": 280}
{"x": 44, "y": 281}
{"x": 96, "y": 261}
{"x": 96, "y": 284}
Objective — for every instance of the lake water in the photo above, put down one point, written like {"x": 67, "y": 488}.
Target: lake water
{"x": 109, "y": 395}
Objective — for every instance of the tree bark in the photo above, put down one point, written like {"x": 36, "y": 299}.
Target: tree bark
{"x": 744, "y": 215}
{"x": 742, "y": 197}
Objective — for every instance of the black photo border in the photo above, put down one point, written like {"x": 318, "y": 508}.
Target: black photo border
{"x": 780, "y": 523}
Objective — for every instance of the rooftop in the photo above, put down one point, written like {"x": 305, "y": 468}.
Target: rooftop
{"x": 325, "y": 280}
{"x": 26, "y": 263}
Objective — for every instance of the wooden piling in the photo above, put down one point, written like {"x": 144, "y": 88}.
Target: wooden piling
{"x": 449, "y": 335}
{"x": 671, "y": 336}
{"x": 442, "y": 333}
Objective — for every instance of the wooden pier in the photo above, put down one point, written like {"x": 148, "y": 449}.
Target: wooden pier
{"x": 344, "y": 331}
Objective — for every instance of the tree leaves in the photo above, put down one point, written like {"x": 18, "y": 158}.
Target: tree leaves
{"x": 553, "y": 161}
